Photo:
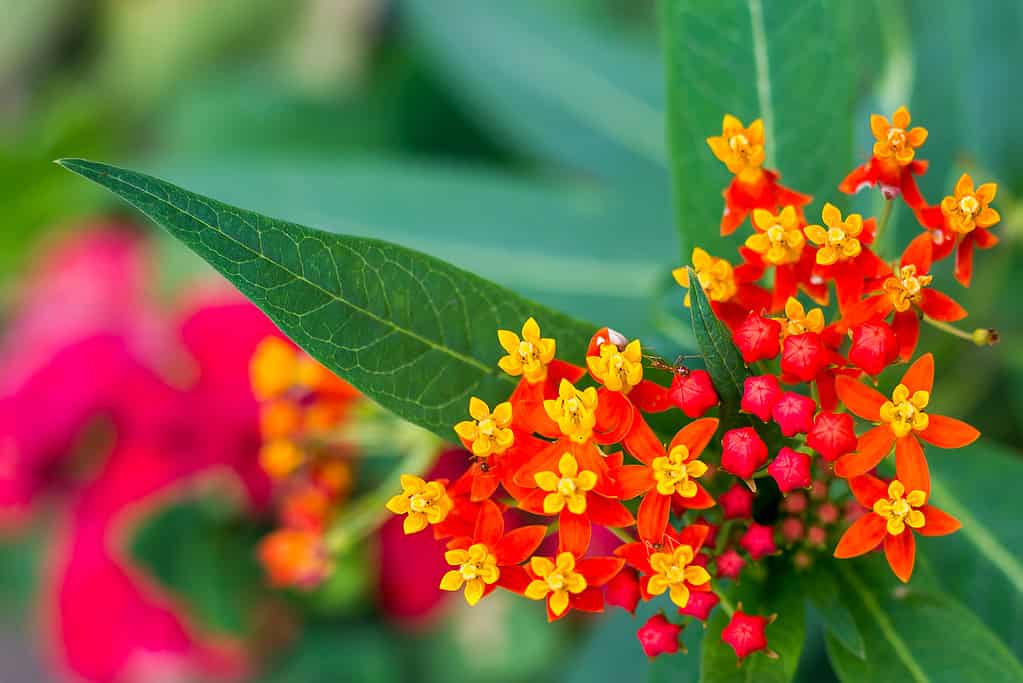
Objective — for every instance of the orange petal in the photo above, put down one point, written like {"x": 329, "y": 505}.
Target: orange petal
{"x": 701, "y": 501}
{"x": 641, "y": 442}
{"x": 693, "y": 536}
{"x": 599, "y": 570}
{"x": 920, "y": 375}
{"x": 871, "y": 449}
{"x": 901, "y": 553}
{"x": 633, "y": 480}
{"x": 911, "y": 465}
{"x": 519, "y": 544}
{"x": 868, "y": 489}
{"x": 695, "y": 436}
{"x": 489, "y": 524}
{"x": 963, "y": 270}
{"x": 937, "y": 522}
{"x": 865, "y": 534}
{"x": 918, "y": 253}
{"x": 652, "y": 517}
{"x": 573, "y": 533}
{"x": 608, "y": 512}
{"x": 860, "y": 399}
{"x": 948, "y": 432}
{"x": 941, "y": 306}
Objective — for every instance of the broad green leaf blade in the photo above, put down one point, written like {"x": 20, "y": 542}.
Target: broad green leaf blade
{"x": 412, "y": 332}
{"x": 914, "y": 635}
{"x": 789, "y": 62}
{"x": 724, "y": 362}
{"x": 561, "y": 89}
{"x": 980, "y": 564}
{"x": 778, "y": 594}
{"x": 496, "y": 225}
{"x": 822, "y": 590}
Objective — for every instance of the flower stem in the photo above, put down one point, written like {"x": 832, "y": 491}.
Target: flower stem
{"x": 980, "y": 336}
{"x": 886, "y": 216}
{"x": 726, "y": 604}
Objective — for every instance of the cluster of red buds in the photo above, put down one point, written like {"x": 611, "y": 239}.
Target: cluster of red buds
{"x": 793, "y": 467}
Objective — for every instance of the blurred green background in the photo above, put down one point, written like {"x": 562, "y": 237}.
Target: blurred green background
{"x": 497, "y": 135}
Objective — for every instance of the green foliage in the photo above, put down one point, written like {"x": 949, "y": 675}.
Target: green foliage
{"x": 410, "y": 331}
{"x": 210, "y": 565}
{"x": 821, "y": 588}
{"x": 913, "y": 634}
{"x": 757, "y": 59}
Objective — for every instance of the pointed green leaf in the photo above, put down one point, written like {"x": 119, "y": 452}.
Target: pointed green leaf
{"x": 789, "y": 62}
{"x": 914, "y": 635}
{"x": 822, "y": 590}
{"x": 724, "y": 362}
{"x": 778, "y": 594}
{"x": 414, "y": 333}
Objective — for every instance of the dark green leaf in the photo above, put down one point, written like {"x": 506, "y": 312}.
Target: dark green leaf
{"x": 340, "y": 653}
{"x": 912, "y": 634}
{"x": 413, "y": 333}
{"x": 980, "y": 563}
{"x": 558, "y": 87}
{"x": 786, "y": 61}
{"x": 822, "y": 590}
{"x": 778, "y": 594}
{"x": 724, "y": 362}
{"x": 210, "y": 564}
{"x": 494, "y": 224}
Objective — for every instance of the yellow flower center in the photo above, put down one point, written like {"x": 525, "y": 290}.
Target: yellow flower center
{"x": 574, "y": 411}
{"x": 798, "y": 320}
{"x": 904, "y": 412}
{"x": 778, "y": 239}
{"x": 618, "y": 369}
{"x": 674, "y": 474}
{"x": 489, "y": 433}
{"x": 423, "y": 502}
{"x": 476, "y": 569}
{"x": 969, "y": 205}
{"x": 557, "y": 579}
{"x": 567, "y": 487}
{"x": 529, "y": 355}
{"x": 896, "y": 140}
{"x": 904, "y": 289}
{"x": 900, "y": 509}
{"x": 715, "y": 275}
{"x": 673, "y": 571}
{"x": 839, "y": 240}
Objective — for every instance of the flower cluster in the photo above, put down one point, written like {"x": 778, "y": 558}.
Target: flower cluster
{"x": 572, "y": 449}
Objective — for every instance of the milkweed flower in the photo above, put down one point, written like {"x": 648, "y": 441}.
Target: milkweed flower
{"x": 732, "y": 295}
{"x": 898, "y": 509}
{"x": 670, "y": 566}
{"x": 902, "y": 421}
{"x": 962, "y": 221}
{"x": 893, "y": 163}
{"x": 423, "y": 503}
{"x": 567, "y": 582}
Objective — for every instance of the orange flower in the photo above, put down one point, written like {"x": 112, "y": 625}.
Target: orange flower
{"x": 844, "y": 254}
{"x": 570, "y": 581}
{"x": 669, "y": 566}
{"x": 739, "y": 148}
{"x": 779, "y": 243}
{"x": 893, "y": 163}
{"x": 731, "y": 292}
{"x": 902, "y": 422}
{"x": 896, "y": 140}
{"x": 668, "y": 477}
{"x": 960, "y": 222}
{"x": 897, "y": 510}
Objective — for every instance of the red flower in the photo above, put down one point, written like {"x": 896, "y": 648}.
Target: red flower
{"x": 671, "y": 566}
{"x": 693, "y": 392}
{"x": 794, "y": 413}
{"x": 658, "y": 636}
{"x": 902, "y": 423}
{"x": 758, "y": 541}
{"x": 743, "y": 452}
{"x": 962, "y": 219}
{"x": 791, "y": 469}
{"x": 832, "y": 435}
{"x": 701, "y": 604}
{"x": 897, "y": 509}
{"x": 623, "y": 590}
{"x": 737, "y": 502}
{"x": 669, "y": 477}
{"x": 804, "y": 356}
{"x": 757, "y": 338}
{"x": 760, "y": 393}
{"x": 729, "y": 565}
{"x": 746, "y": 634}
{"x": 874, "y": 346}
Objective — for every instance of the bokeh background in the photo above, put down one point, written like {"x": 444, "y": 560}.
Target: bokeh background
{"x": 496, "y": 135}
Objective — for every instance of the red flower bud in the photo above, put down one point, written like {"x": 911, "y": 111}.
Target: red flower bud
{"x": 791, "y": 469}
{"x": 712, "y": 531}
{"x": 832, "y": 435}
{"x": 658, "y": 636}
{"x": 794, "y": 413}
{"x": 827, "y": 513}
{"x": 756, "y": 337}
{"x": 795, "y": 503}
{"x": 759, "y": 394}
{"x": 758, "y": 541}
{"x": 623, "y": 590}
{"x": 730, "y": 563}
{"x": 745, "y": 633}
{"x": 816, "y": 535}
{"x": 700, "y": 604}
{"x": 819, "y": 490}
{"x": 693, "y": 392}
{"x": 743, "y": 452}
{"x": 803, "y": 356}
{"x": 737, "y": 502}
{"x": 792, "y": 529}
{"x": 874, "y": 347}
{"x": 802, "y": 560}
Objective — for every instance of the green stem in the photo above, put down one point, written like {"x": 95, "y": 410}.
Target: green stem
{"x": 726, "y": 604}
{"x": 886, "y": 216}
{"x": 368, "y": 512}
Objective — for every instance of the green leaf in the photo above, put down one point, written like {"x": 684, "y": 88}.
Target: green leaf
{"x": 724, "y": 362}
{"x": 785, "y": 61}
{"x": 331, "y": 652}
{"x": 210, "y": 565}
{"x": 980, "y": 564}
{"x": 413, "y": 333}
{"x": 822, "y": 590}
{"x": 558, "y": 87}
{"x": 494, "y": 224}
{"x": 778, "y": 594}
{"x": 914, "y": 635}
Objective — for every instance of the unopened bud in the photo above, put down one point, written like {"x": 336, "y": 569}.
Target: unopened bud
{"x": 985, "y": 337}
